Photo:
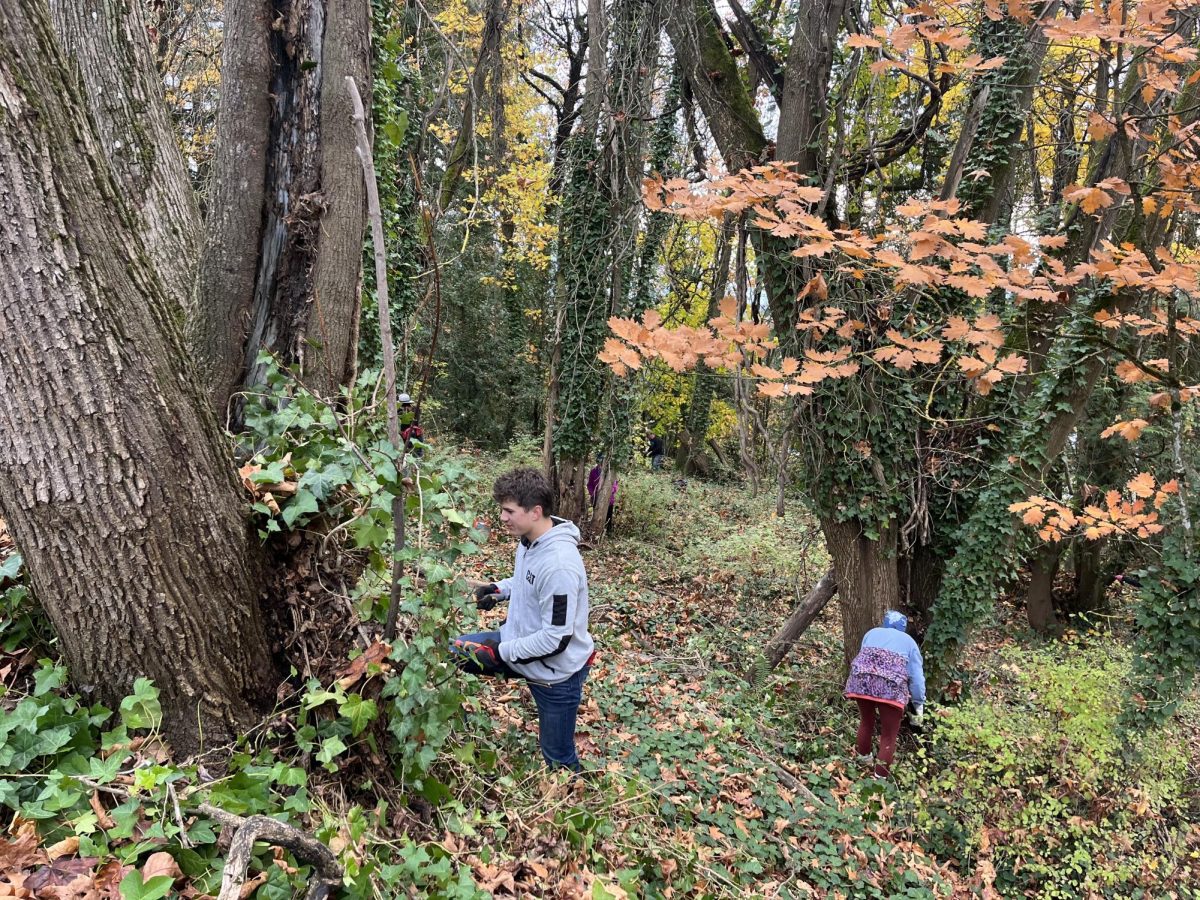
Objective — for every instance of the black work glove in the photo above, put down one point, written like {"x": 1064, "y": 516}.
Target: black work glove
{"x": 488, "y": 653}
{"x": 487, "y": 596}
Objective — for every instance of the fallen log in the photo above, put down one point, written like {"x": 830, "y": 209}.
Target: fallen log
{"x": 802, "y": 616}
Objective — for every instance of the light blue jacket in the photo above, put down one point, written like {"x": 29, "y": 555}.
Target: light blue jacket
{"x": 892, "y": 635}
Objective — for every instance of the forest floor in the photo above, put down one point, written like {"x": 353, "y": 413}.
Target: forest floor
{"x": 702, "y": 783}
{"x": 715, "y": 785}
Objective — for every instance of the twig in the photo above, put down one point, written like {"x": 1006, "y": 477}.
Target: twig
{"x": 389, "y": 351}
{"x": 184, "y": 840}
{"x": 436, "y": 284}
{"x": 248, "y": 830}
{"x": 97, "y": 786}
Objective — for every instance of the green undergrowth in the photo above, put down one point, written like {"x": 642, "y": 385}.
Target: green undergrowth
{"x": 1028, "y": 782}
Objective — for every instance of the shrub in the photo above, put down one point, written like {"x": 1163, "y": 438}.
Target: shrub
{"x": 1028, "y": 780}
{"x": 645, "y": 504}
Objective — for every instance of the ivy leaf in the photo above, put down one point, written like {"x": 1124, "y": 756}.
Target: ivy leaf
{"x": 10, "y": 568}
{"x": 330, "y": 747}
{"x": 395, "y": 130}
{"x": 359, "y": 712}
{"x": 324, "y": 481}
{"x": 141, "y": 709}
{"x": 304, "y": 503}
{"x": 133, "y": 888}
{"x": 271, "y": 474}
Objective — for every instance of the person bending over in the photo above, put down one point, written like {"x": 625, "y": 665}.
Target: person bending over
{"x": 885, "y": 675}
{"x": 545, "y": 638}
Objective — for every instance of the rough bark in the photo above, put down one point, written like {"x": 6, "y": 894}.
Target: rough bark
{"x": 802, "y": 616}
{"x": 921, "y": 570}
{"x": 229, "y": 259}
{"x": 287, "y": 184}
{"x": 603, "y": 502}
{"x": 712, "y": 74}
{"x": 1093, "y": 574}
{"x": 114, "y": 479}
{"x": 1039, "y": 597}
{"x": 110, "y": 57}
{"x": 802, "y": 103}
{"x": 572, "y": 493}
{"x": 867, "y": 578}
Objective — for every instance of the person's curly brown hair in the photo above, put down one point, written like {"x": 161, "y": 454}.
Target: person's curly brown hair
{"x": 525, "y": 487}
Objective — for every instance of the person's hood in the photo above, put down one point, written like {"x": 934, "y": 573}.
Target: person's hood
{"x": 896, "y": 620}
{"x": 564, "y": 531}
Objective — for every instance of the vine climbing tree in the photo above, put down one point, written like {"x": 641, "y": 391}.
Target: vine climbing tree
{"x": 938, "y": 346}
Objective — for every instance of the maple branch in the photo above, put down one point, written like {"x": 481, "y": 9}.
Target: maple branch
{"x": 554, "y": 104}
{"x": 541, "y": 76}
{"x": 966, "y": 137}
{"x": 1154, "y": 372}
{"x": 900, "y": 142}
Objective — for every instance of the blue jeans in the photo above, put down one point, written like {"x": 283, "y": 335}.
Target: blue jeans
{"x": 558, "y": 704}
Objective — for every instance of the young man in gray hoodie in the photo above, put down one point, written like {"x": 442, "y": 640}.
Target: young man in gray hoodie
{"x": 545, "y": 638}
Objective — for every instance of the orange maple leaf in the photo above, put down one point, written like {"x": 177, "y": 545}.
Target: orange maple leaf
{"x": 1130, "y": 431}
{"x": 1090, "y": 199}
{"x": 1141, "y": 485}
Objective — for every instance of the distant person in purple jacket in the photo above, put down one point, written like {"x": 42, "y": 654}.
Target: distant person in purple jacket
{"x": 887, "y": 673}
{"x": 593, "y": 489}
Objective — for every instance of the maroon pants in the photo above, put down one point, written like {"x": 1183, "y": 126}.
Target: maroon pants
{"x": 889, "y": 729}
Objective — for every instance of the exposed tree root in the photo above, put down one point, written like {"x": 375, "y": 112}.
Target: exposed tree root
{"x": 262, "y": 828}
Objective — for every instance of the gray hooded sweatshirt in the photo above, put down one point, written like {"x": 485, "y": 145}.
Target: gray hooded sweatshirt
{"x": 545, "y": 637}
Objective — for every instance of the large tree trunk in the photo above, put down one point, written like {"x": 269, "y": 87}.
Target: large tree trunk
{"x": 1092, "y": 576}
{"x": 598, "y": 229}
{"x": 114, "y": 479}
{"x": 802, "y": 102}
{"x": 106, "y": 43}
{"x": 287, "y": 185}
{"x": 225, "y": 278}
{"x": 571, "y": 486}
{"x": 867, "y": 579}
{"x": 1039, "y": 598}
{"x": 603, "y": 503}
{"x": 712, "y": 73}
{"x": 920, "y": 571}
